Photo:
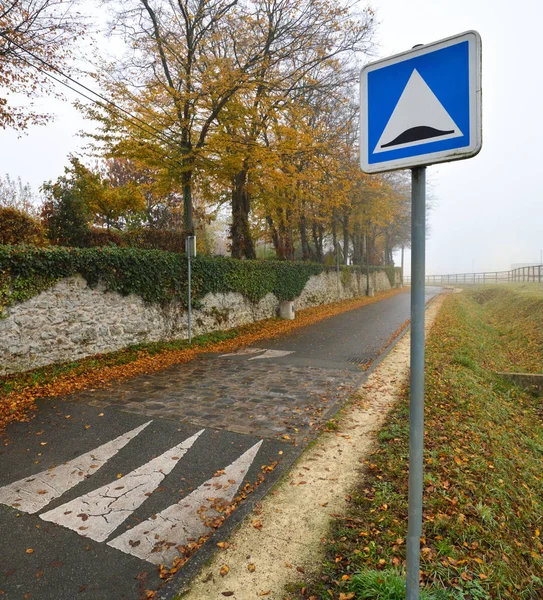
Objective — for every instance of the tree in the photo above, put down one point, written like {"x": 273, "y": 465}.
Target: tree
{"x": 83, "y": 197}
{"x": 65, "y": 214}
{"x": 307, "y": 51}
{"x": 35, "y": 37}
{"x": 162, "y": 198}
{"x": 14, "y": 194}
{"x": 183, "y": 68}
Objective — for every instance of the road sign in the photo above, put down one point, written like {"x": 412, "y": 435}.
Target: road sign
{"x": 422, "y": 106}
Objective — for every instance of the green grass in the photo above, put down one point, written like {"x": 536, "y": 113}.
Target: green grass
{"x": 483, "y": 481}
{"x": 385, "y": 585}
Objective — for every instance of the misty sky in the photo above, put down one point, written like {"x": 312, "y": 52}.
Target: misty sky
{"x": 488, "y": 211}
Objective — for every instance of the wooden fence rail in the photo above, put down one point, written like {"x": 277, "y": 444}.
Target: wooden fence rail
{"x": 533, "y": 274}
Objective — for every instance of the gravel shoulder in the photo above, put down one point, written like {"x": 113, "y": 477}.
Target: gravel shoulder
{"x": 280, "y": 540}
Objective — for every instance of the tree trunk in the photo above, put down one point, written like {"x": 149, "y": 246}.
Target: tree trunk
{"x": 188, "y": 223}
{"x": 345, "y": 223}
{"x": 307, "y": 253}
{"x": 274, "y": 235}
{"x": 388, "y": 250}
{"x": 358, "y": 251}
{"x": 242, "y": 242}
{"x": 317, "y": 241}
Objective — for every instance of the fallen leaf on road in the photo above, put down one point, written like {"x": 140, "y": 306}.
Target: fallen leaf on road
{"x": 224, "y": 570}
{"x": 251, "y": 568}
{"x": 29, "y": 550}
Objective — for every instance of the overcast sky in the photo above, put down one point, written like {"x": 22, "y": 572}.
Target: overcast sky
{"x": 488, "y": 211}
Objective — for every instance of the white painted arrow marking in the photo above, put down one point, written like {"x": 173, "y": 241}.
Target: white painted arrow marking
{"x": 273, "y": 354}
{"x": 33, "y": 493}
{"x": 244, "y": 351}
{"x": 155, "y": 540}
{"x": 97, "y": 514}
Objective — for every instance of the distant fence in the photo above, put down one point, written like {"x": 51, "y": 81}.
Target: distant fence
{"x": 532, "y": 274}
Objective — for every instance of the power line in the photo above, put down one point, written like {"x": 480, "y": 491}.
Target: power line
{"x": 161, "y": 137}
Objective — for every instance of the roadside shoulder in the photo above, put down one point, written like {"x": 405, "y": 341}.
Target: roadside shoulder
{"x": 281, "y": 540}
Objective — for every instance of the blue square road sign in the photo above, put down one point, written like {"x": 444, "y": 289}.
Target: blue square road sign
{"x": 422, "y": 106}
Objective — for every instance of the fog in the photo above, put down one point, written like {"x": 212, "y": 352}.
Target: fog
{"x": 488, "y": 211}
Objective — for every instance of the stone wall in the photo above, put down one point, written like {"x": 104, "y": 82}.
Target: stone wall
{"x": 71, "y": 321}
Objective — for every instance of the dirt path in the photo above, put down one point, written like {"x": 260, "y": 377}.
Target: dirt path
{"x": 280, "y": 540}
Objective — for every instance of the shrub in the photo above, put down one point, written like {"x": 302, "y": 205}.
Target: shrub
{"x": 154, "y": 275}
{"x": 103, "y": 237}
{"x": 16, "y": 227}
{"x": 168, "y": 240}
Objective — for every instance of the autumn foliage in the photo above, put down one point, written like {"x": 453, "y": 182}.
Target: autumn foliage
{"x": 17, "y": 227}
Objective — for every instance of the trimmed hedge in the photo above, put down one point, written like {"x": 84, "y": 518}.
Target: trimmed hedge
{"x": 154, "y": 275}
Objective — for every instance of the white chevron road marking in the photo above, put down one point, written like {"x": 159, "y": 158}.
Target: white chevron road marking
{"x": 97, "y": 514}
{"x": 273, "y": 354}
{"x": 243, "y": 352}
{"x": 155, "y": 540}
{"x": 32, "y": 493}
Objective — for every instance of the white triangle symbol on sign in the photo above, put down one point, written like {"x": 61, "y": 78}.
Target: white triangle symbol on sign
{"x": 418, "y": 118}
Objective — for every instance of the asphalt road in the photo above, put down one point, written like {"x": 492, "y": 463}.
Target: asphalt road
{"x": 100, "y": 488}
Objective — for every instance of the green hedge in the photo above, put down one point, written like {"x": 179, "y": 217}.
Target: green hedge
{"x": 154, "y": 275}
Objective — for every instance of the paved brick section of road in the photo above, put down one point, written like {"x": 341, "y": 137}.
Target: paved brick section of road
{"x": 237, "y": 393}
{"x": 102, "y": 486}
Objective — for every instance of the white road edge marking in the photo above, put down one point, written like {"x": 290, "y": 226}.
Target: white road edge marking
{"x": 273, "y": 354}
{"x": 97, "y": 514}
{"x": 32, "y": 493}
{"x": 155, "y": 540}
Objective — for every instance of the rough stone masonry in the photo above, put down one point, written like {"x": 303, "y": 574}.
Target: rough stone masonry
{"x": 70, "y": 320}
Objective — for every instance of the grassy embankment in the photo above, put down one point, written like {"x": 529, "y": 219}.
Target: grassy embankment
{"x": 483, "y": 484}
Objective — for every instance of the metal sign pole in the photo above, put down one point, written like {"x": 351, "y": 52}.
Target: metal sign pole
{"x": 338, "y": 272}
{"x": 367, "y": 263}
{"x": 416, "y": 406}
{"x": 189, "y": 299}
{"x": 190, "y": 249}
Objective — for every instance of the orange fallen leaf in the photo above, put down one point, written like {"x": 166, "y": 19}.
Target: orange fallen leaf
{"x": 29, "y": 550}
{"x": 251, "y": 568}
{"x": 224, "y": 570}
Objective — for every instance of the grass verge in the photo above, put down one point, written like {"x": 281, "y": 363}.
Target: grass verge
{"x": 483, "y": 483}
{"x": 18, "y": 392}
